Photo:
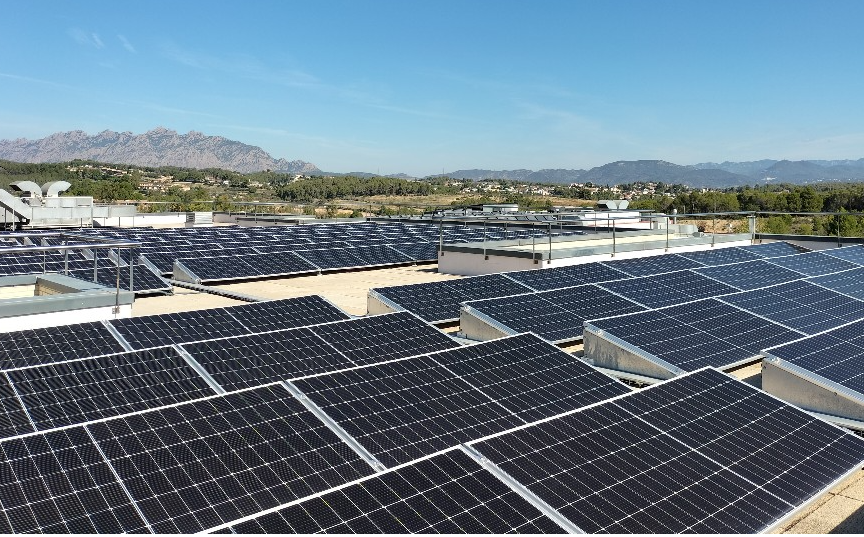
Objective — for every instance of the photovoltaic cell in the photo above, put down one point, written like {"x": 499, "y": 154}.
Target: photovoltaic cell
{"x": 143, "y": 279}
{"x": 13, "y": 418}
{"x": 400, "y": 411}
{"x": 656, "y": 264}
{"x": 837, "y": 355}
{"x": 849, "y": 282}
{"x": 252, "y": 360}
{"x": 377, "y": 338}
{"x": 198, "y": 465}
{"x": 800, "y": 305}
{"x": 53, "y": 344}
{"x": 78, "y": 391}
{"x": 448, "y": 493}
{"x": 702, "y": 453}
{"x": 813, "y": 263}
{"x": 750, "y": 274}
{"x": 530, "y": 377}
{"x": 58, "y": 482}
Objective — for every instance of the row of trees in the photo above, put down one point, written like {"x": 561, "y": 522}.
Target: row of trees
{"x": 329, "y": 188}
{"x": 780, "y": 198}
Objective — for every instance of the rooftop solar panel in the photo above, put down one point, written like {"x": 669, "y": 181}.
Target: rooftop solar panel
{"x": 403, "y": 410}
{"x": 79, "y": 391}
{"x": 800, "y": 305}
{"x": 655, "y": 264}
{"x": 813, "y": 263}
{"x": 58, "y": 482}
{"x": 668, "y": 289}
{"x": 286, "y": 313}
{"x": 143, "y": 279}
{"x": 558, "y": 277}
{"x": 703, "y": 453}
{"x": 198, "y": 465}
{"x": 555, "y": 315}
{"x": 750, "y": 274}
{"x": 849, "y": 282}
{"x": 528, "y": 313}
{"x": 448, "y": 493}
{"x": 721, "y": 256}
{"x": 853, "y": 254}
{"x": 252, "y": 360}
{"x": 170, "y": 328}
{"x": 691, "y": 336}
{"x": 53, "y": 344}
{"x": 530, "y": 377}
{"x": 836, "y": 355}
{"x": 773, "y": 249}
{"x": 373, "y": 339}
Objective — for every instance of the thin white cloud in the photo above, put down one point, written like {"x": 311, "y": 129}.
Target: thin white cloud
{"x": 126, "y": 44}
{"x": 86, "y": 39}
{"x": 38, "y": 81}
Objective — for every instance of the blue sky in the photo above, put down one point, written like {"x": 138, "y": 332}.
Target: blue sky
{"x": 421, "y": 87}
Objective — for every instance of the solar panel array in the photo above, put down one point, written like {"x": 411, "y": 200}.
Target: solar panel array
{"x": 669, "y": 459}
{"x": 690, "y": 336}
{"x": 439, "y": 302}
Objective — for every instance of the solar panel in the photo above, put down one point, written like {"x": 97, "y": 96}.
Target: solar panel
{"x": 530, "y": 377}
{"x": 170, "y": 328}
{"x": 143, "y": 279}
{"x": 78, "y": 391}
{"x": 198, "y": 465}
{"x": 800, "y": 305}
{"x": 693, "y": 335}
{"x": 849, "y": 282}
{"x": 655, "y": 264}
{"x": 558, "y": 277}
{"x": 555, "y": 315}
{"x": 53, "y": 344}
{"x": 773, "y": 249}
{"x": 448, "y": 493}
{"x": 750, "y": 274}
{"x": 813, "y": 263}
{"x": 286, "y": 313}
{"x": 703, "y": 453}
{"x": 252, "y": 360}
{"x": 528, "y": 313}
{"x": 58, "y": 482}
{"x": 668, "y": 289}
{"x": 403, "y": 410}
{"x": 332, "y": 258}
{"x": 836, "y": 355}
{"x": 420, "y": 251}
{"x": 721, "y": 256}
{"x": 853, "y": 254}
{"x": 368, "y": 340}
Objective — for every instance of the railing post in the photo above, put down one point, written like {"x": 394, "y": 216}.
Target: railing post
{"x": 667, "y": 233}
{"x": 549, "y": 262}
{"x": 613, "y": 238}
{"x": 713, "y": 228}
{"x": 485, "y": 257}
{"x": 95, "y": 265}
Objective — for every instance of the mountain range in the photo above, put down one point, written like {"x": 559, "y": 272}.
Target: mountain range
{"x": 164, "y": 147}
